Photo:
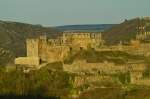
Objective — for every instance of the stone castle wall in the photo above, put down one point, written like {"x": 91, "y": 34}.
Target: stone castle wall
{"x": 30, "y": 61}
{"x": 83, "y": 66}
{"x": 32, "y": 58}
{"x": 58, "y": 53}
{"x": 83, "y": 79}
{"x": 46, "y": 52}
{"x": 96, "y": 69}
{"x": 51, "y": 50}
{"x": 107, "y": 67}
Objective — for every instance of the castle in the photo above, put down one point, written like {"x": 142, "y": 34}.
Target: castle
{"x": 47, "y": 50}
{"x": 41, "y": 51}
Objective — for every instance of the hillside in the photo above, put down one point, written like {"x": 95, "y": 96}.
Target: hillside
{"x": 125, "y": 31}
{"x": 86, "y": 28}
{"x": 13, "y": 36}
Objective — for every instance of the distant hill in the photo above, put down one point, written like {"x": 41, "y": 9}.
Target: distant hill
{"x": 86, "y": 28}
{"x": 13, "y": 36}
{"x": 125, "y": 31}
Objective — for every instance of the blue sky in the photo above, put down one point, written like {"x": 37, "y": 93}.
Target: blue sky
{"x": 66, "y": 12}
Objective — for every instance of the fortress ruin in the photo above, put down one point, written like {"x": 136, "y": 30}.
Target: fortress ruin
{"x": 50, "y": 50}
{"x": 43, "y": 50}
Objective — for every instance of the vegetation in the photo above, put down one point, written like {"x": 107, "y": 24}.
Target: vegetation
{"x": 123, "y": 78}
{"x": 92, "y": 56}
{"x": 116, "y": 93}
{"x": 44, "y": 83}
{"x": 146, "y": 73}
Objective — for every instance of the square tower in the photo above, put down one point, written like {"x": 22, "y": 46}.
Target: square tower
{"x": 32, "y": 47}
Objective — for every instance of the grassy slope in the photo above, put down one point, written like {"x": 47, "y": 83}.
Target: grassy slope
{"x": 44, "y": 82}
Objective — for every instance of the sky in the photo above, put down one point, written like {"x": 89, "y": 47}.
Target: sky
{"x": 70, "y": 12}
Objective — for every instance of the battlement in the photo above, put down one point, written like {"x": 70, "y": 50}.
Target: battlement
{"x": 83, "y": 40}
{"x": 82, "y": 35}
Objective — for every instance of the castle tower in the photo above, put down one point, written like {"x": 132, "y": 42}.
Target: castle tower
{"x": 32, "y": 47}
{"x": 43, "y": 47}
